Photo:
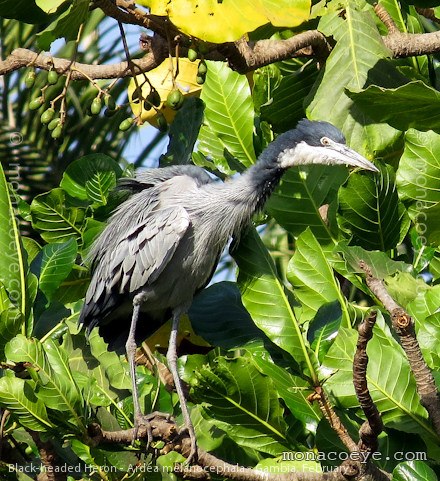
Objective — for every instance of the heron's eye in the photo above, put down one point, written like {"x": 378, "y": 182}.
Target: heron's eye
{"x": 325, "y": 141}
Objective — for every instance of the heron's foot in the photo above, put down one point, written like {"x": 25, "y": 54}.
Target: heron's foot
{"x": 189, "y": 430}
{"x": 142, "y": 425}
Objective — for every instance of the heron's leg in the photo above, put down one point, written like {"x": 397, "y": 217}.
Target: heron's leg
{"x": 130, "y": 348}
{"x": 172, "y": 364}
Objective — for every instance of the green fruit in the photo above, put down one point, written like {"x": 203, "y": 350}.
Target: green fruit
{"x": 192, "y": 55}
{"x": 126, "y": 124}
{"x": 53, "y": 124}
{"x": 36, "y": 103}
{"x": 162, "y": 124}
{"x": 154, "y": 98}
{"x": 96, "y": 106}
{"x": 47, "y": 116}
{"x": 202, "y": 68}
{"x": 57, "y": 132}
{"x": 175, "y": 99}
{"x": 109, "y": 102}
{"x": 30, "y": 79}
{"x": 200, "y": 79}
{"x": 52, "y": 77}
{"x": 28, "y": 450}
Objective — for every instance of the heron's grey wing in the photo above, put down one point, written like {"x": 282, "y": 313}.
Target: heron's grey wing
{"x": 145, "y": 250}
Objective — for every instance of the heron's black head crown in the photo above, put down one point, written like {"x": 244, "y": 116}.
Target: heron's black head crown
{"x": 312, "y": 132}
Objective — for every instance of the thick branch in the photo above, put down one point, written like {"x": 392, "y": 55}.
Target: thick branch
{"x": 22, "y": 57}
{"x": 404, "y": 327}
{"x": 373, "y": 426}
{"x": 245, "y": 57}
{"x": 166, "y": 430}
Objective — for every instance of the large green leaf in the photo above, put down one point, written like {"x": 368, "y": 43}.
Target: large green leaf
{"x": 18, "y": 396}
{"x": 419, "y": 171}
{"x": 56, "y": 387}
{"x": 267, "y": 300}
{"x": 10, "y": 320}
{"x": 286, "y": 107}
{"x": 91, "y": 178}
{"x": 23, "y": 10}
{"x": 313, "y": 279}
{"x": 229, "y": 325}
{"x": 55, "y": 219}
{"x": 55, "y": 262}
{"x": 295, "y": 203}
{"x": 291, "y": 388}
{"x": 184, "y": 131}
{"x": 358, "y": 49}
{"x": 243, "y": 403}
{"x": 66, "y": 25}
{"x": 229, "y": 115}
{"x": 12, "y": 263}
{"x": 412, "y": 105}
{"x": 389, "y": 378}
{"x": 369, "y": 209}
{"x": 413, "y": 471}
{"x": 115, "y": 371}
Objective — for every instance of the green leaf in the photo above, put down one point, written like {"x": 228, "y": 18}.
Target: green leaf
{"x": 49, "y": 6}
{"x": 419, "y": 171}
{"x": 312, "y": 278}
{"x": 56, "y": 262}
{"x": 230, "y": 325}
{"x": 389, "y": 378}
{"x": 358, "y": 50}
{"x": 12, "y": 263}
{"x": 55, "y": 219}
{"x": 11, "y": 320}
{"x": 115, "y": 371}
{"x": 184, "y": 132}
{"x": 369, "y": 209}
{"x": 413, "y": 105}
{"x": 66, "y": 25}
{"x": 286, "y": 107}
{"x": 23, "y": 10}
{"x": 243, "y": 403}
{"x": 56, "y": 387}
{"x": 295, "y": 203}
{"x": 291, "y": 388}
{"x": 18, "y": 396}
{"x": 267, "y": 300}
{"x": 379, "y": 262}
{"x": 413, "y": 471}
{"x": 229, "y": 115}
{"x": 91, "y": 177}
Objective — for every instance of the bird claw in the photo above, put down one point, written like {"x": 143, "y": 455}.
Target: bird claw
{"x": 143, "y": 422}
{"x": 192, "y": 458}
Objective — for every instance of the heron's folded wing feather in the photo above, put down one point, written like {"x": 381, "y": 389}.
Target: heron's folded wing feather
{"x": 145, "y": 251}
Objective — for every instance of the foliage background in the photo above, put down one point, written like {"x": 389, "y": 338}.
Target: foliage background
{"x": 287, "y": 324}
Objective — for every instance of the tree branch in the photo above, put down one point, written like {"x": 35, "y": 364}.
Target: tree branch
{"x": 373, "y": 426}
{"x": 22, "y": 57}
{"x": 404, "y": 326}
{"x": 333, "y": 419}
{"x": 165, "y": 429}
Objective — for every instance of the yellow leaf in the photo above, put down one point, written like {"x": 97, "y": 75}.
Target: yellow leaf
{"x": 161, "y": 79}
{"x": 221, "y": 21}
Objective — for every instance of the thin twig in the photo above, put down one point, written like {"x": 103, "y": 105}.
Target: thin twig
{"x": 403, "y": 324}
{"x": 333, "y": 419}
